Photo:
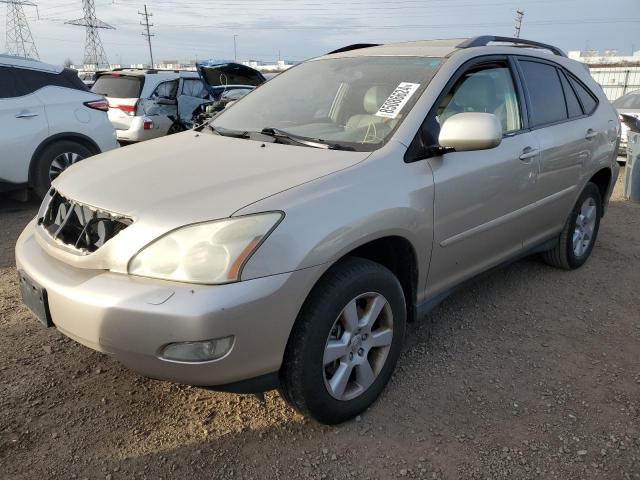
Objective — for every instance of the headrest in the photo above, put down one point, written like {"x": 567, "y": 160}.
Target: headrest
{"x": 476, "y": 93}
{"x": 375, "y": 97}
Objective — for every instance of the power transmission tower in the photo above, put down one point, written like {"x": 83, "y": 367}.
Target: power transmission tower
{"x": 93, "y": 50}
{"x": 519, "y": 17}
{"x": 148, "y": 33}
{"x": 19, "y": 39}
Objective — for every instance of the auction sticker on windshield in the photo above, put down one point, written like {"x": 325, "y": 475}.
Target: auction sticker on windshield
{"x": 398, "y": 99}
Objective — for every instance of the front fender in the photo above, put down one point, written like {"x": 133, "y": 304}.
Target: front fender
{"x": 327, "y": 218}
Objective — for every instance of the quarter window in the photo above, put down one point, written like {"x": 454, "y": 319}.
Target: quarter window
{"x": 545, "y": 93}
{"x": 573, "y": 105}
{"x": 589, "y": 103}
{"x": 488, "y": 90}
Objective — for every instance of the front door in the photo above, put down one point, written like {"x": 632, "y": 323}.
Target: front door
{"x": 482, "y": 198}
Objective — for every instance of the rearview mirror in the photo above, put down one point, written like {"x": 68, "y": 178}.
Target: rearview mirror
{"x": 471, "y": 131}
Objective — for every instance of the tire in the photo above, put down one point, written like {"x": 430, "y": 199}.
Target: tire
{"x": 564, "y": 255}
{"x": 65, "y": 153}
{"x": 306, "y": 379}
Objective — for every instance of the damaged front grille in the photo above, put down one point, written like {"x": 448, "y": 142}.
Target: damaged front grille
{"x": 79, "y": 226}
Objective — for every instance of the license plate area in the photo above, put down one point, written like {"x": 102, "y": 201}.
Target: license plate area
{"x": 35, "y": 298}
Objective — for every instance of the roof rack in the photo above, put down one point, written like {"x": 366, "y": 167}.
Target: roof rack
{"x": 355, "y": 46}
{"x": 484, "y": 40}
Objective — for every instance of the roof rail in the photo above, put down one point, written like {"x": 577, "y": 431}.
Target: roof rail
{"x": 355, "y": 46}
{"x": 484, "y": 40}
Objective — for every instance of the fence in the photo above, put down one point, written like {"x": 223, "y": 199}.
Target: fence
{"x": 616, "y": 81}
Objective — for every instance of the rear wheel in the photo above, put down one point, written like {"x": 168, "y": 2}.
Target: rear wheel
{"x": 55, "y": 159}
{"x": 346, "y": 342}
{"x": 580, "y": 232}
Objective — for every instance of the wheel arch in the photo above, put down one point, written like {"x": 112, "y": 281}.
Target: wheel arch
{"x": 59, "y": 137}
{"x": 602, "y": 180}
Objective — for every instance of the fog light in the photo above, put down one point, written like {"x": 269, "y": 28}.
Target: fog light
{"x": 204, "y": 351}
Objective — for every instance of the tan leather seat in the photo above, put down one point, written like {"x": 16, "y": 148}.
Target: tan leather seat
{"x": 375, "y": 127}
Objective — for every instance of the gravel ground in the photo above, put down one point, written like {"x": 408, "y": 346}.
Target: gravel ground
{"x": 530, "y": 372}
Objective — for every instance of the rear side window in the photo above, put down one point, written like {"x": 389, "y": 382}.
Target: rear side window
{"x": 166, "y": 90}
{"x": 573, "y": 105}
{"x": 589, "y": 102}
{"x": 117, "y": 86}
{"x": 8, "y": 88}
{"x": 29, "y": 81}
{"x": 545, "y": 92}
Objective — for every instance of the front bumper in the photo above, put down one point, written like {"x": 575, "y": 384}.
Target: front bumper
{"x": 133, "y": 318}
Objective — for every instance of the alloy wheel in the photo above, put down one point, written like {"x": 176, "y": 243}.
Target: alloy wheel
{"x": 585, "y": 226}
{"x": 62, "y": 162}
{"x": 358, "y": 346}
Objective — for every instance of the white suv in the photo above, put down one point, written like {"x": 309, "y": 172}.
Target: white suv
{"x": 49, "y": 121}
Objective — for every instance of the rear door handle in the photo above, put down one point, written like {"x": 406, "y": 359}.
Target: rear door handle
{"x": 591, "y": 133}
{"x": 528, "y": 153}
{"x": 27, "y": 114}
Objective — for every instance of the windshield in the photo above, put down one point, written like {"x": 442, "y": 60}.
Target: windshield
{"x": 117, "y": 86}
{"x": 630, "y": 100}
{"x": 357, "y": 101}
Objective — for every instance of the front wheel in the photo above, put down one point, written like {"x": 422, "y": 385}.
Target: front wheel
{"x": 580, "y": 232}
{"x": 55, "y": 159}
{"x": 346, "y": 342}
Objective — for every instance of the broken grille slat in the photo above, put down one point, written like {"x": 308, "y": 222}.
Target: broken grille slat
{"x": 80, "y": 227}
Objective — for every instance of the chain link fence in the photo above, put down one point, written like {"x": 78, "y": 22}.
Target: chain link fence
{"x": 617, "y": 81}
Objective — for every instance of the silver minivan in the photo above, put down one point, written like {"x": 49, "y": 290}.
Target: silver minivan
{"x": 288, "y": 243}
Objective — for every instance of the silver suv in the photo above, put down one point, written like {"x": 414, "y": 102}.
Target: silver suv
{"x": 288, "y": 243}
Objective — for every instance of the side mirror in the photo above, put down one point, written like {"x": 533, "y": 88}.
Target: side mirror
{"x": 471, "y": 131}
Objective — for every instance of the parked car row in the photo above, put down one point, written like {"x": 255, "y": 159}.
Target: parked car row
{"x": 305, "y": 226}
{"x": 51, "y": 120}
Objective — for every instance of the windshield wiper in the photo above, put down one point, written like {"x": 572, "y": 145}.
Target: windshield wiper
{"x": 308, "y": 142}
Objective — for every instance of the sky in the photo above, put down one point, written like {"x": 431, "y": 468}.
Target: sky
{"x": 300, "y": 29}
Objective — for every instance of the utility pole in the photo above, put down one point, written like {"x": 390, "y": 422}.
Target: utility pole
{"x": 19, "y": 39}
{"x": 235, "y": 47}
{"x": 94, "y": 54}
{"x": 148, "y": 33}
{"x": 519, "y": 17}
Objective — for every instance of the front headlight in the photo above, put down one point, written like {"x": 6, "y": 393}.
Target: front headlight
{"x": 208, "y": 253}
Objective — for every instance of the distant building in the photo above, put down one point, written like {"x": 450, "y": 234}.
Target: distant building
{"x": 279, "y": 66}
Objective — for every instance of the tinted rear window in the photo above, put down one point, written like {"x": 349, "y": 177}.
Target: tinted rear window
{"x": 630, "y": 100}
{"x": 588, "y": 100}
{"x": 545, "y": 92}
{"x": 118, "y": 86}
{"x": 573, "y": 105}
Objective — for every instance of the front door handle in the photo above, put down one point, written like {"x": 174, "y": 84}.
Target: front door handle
{"x": 27, "y": 114}
{"x": 528, "y": 153}
{"x": 591, "y": 133}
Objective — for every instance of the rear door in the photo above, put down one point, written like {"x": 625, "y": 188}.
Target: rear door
{"x": 482, "y": 198}
{"x": 24, "y": 125}
{"x": 122, "y": 92}
{"x": 569, "y": 138}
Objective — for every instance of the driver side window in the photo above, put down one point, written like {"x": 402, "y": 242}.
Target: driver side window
{"x": 488, "y": 90}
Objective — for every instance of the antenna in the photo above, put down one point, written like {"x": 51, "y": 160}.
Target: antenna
{"x": 19, "y": 39}
{"x": 519, "y": 17}
{"x": 148, "y": 33}
{"x": 94, "y": 54}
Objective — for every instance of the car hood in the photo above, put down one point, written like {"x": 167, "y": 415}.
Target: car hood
{"x": 193, "y": 177}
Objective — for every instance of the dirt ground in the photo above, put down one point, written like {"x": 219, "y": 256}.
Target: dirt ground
{"x": 530, "y": 372}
